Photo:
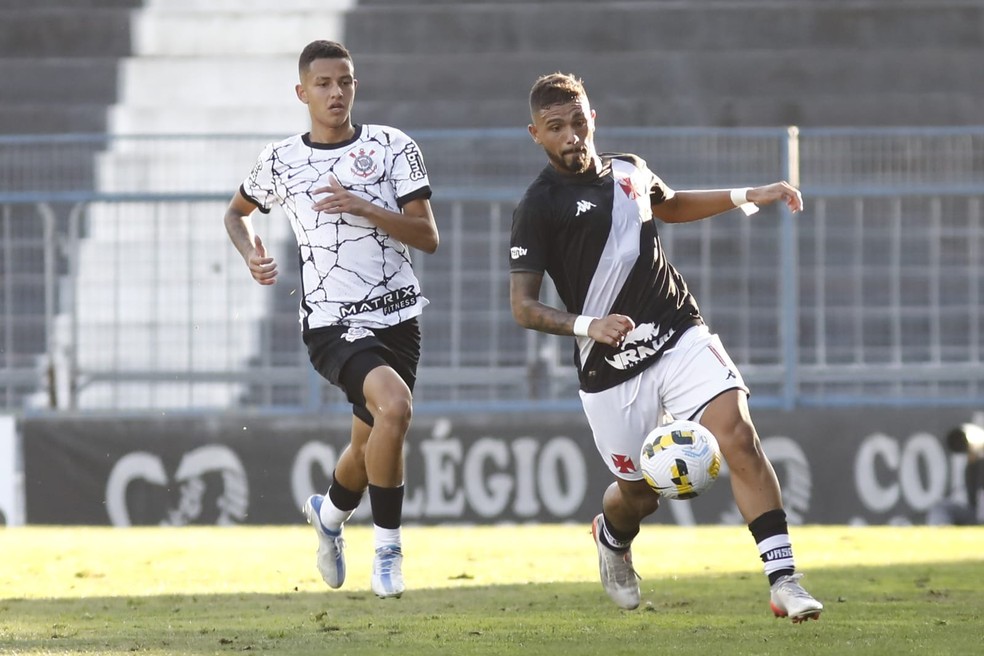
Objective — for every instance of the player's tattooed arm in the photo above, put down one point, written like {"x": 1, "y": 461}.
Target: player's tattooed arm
{"x": 529, "y": 312}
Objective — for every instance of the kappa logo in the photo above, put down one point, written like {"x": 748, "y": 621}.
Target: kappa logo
{"x": 583, "y": 206}
{"x": 517, "y": 252}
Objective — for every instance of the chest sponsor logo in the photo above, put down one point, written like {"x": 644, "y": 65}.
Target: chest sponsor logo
{"x": 388, "y": 303}
{"x": 641, "y": 344}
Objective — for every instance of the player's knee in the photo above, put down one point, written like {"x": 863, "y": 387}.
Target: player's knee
{"x": 394, "y": 411}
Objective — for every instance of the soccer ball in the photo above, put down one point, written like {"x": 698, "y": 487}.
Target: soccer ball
{"x": 680, "y": 460}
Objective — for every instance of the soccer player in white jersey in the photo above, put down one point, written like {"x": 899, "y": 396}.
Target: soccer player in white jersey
{"x": 357, "y": 197}
{"x": 642, "y": 350}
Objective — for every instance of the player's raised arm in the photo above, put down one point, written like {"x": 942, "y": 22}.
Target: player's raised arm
{"x": 239, "y": 226}
{"x": 694, "y": 205}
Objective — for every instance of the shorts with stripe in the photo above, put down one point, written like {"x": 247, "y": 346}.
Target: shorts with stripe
{"x": 686, "y": 378}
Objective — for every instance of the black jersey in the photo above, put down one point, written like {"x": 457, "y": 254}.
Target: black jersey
{"x": 594, "y": 235}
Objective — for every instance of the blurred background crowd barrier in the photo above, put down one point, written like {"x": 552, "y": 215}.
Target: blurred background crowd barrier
{"x": 120, "y": 289}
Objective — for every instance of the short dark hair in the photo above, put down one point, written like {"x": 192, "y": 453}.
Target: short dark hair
{"x": 555, "y": 89}
{"x": 321, "y": 50}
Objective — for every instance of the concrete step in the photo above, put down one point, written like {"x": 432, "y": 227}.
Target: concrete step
{"x": 40, "y": 118}
{"x": 27, "y": 5}
{"x": 43, "y": 32}
{"x": 192, "y": 33}
{"x": 812, "y": 109}
{"x": 85, "y": 80}
{"x": 658, "y": 74}
{"x": 204, "y": 81}
{"x": 287, "y": 118}
{"x": 266, "y": 6}
{"x": 608, "y": 27}
{"x": 191, "y": 171}
{"x": 52, "y": 169}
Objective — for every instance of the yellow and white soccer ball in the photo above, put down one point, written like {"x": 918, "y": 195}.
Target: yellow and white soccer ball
{"x": 680, "y": 460}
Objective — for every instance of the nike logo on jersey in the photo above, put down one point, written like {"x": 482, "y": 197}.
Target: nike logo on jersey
{"x": 583, "y": 206}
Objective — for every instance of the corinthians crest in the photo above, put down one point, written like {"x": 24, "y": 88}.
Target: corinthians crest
{"x": 363, "y": 164}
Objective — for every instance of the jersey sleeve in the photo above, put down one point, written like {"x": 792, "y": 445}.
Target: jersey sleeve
{"x": 527, "y": 246}
{"x": 258, "y": 185}
{"x": 659, "y": 191}
{"x": 409, "y": 175}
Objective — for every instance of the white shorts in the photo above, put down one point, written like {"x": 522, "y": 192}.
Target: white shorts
{"x": 679, "y": 386}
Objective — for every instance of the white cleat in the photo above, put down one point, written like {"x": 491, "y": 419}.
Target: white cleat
{"x": 789, "y": 599}
{"x": 618, "y": 577}
{"x": 387, "y": 572}
{"x": 331, "y": 546}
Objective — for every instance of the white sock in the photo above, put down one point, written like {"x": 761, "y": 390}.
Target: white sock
{"x": 386, "y": 537}
{"x": 333, "y": 517}
{"x": 776, "y": 553}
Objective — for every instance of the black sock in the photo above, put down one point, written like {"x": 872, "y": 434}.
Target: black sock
{"x": 613, "y": 538}
{"x": 387, "y": 505}
{"x": 341, "y": 497}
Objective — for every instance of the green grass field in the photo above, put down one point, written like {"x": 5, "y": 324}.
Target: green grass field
{"x": 483, "y": 590}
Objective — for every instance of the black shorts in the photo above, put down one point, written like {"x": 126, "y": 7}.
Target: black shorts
{"x": 345, "y": 355}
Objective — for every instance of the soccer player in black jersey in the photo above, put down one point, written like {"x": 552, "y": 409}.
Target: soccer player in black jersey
{"x": 357, "y": 197}
{"x": 642, "y": 349}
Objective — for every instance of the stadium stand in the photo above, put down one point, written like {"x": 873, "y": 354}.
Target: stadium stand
{"x": 198, "y": 69}
{"x": 58, "y": 74}
{"x": 227, "y": 67}
{"x": 464, "y": 63}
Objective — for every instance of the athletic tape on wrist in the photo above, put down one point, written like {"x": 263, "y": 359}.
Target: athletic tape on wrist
{"x": 581, "y": 325}
{"x": 739, "y": 197}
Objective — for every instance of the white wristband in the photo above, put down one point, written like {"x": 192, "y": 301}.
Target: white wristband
{"x": 739, "y": 197}
{"x": 581, "y": 325}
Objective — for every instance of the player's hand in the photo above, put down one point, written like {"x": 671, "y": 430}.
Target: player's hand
{"x": 261, "y": 266}
{"x": 777, "y": 191}
{"x": 339, "y": 199}
{"x": 611, "y": 330}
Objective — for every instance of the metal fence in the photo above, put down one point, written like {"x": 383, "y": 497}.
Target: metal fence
{"x": 119, "y": 291}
